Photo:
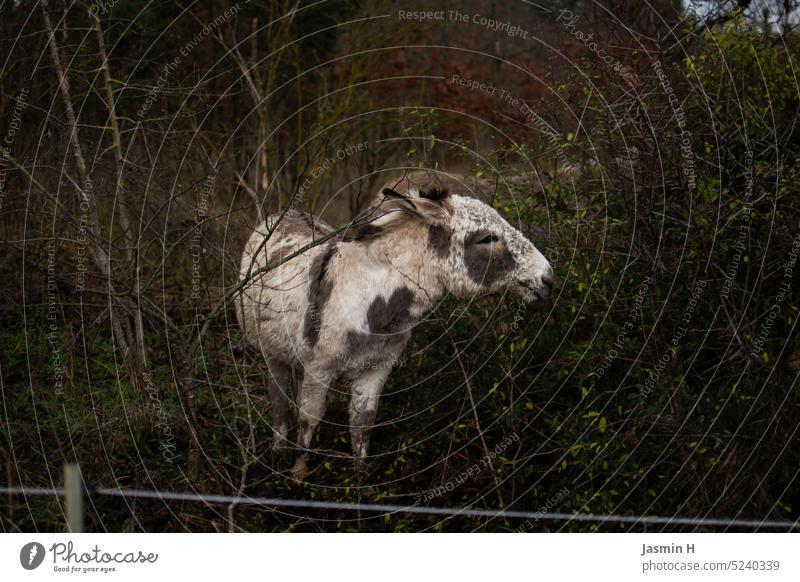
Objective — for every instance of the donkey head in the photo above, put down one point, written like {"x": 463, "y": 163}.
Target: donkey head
{"x": 475, "y": 250}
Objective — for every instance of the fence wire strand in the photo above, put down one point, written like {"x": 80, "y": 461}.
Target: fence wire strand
{"x": 272, "y": 503}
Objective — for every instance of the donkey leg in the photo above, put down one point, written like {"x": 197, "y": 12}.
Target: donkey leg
{"x": 310, "y": 409}
{"x": 278, "y": 388}
{"x": 364, "y": 395}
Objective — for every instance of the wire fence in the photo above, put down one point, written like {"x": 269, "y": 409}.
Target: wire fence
{"x": 76, "y": 489}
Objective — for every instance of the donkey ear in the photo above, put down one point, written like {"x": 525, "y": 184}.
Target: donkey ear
{"x": 425, "y": 209}
{"x": 393, "y": 195}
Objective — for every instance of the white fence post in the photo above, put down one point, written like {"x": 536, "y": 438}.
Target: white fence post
{"x": 74, "y": 491}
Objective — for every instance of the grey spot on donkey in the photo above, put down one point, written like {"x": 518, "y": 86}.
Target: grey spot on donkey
{"x": 387, "y": 323}
{"x": 319, "y": 291}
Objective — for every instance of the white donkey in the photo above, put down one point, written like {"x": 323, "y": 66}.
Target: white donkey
{"x": 346, "y": 307}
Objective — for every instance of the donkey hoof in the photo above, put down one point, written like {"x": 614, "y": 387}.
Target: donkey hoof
{"x": 300, "y": 470}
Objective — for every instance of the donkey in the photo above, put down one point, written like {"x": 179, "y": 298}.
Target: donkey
{"x": 346, "y": 307}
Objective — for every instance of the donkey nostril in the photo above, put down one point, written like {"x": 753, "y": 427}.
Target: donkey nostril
{"x": 547, "y": 282}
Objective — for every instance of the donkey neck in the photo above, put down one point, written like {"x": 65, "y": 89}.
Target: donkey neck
{"x": 401, "y": 257}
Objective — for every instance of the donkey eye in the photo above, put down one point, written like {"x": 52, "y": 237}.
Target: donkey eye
{"x": 488, "y": 239}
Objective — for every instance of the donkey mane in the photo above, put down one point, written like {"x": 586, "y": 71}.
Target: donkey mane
{"x": 435, "y": 194}
{"x": 371, "y": 231}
